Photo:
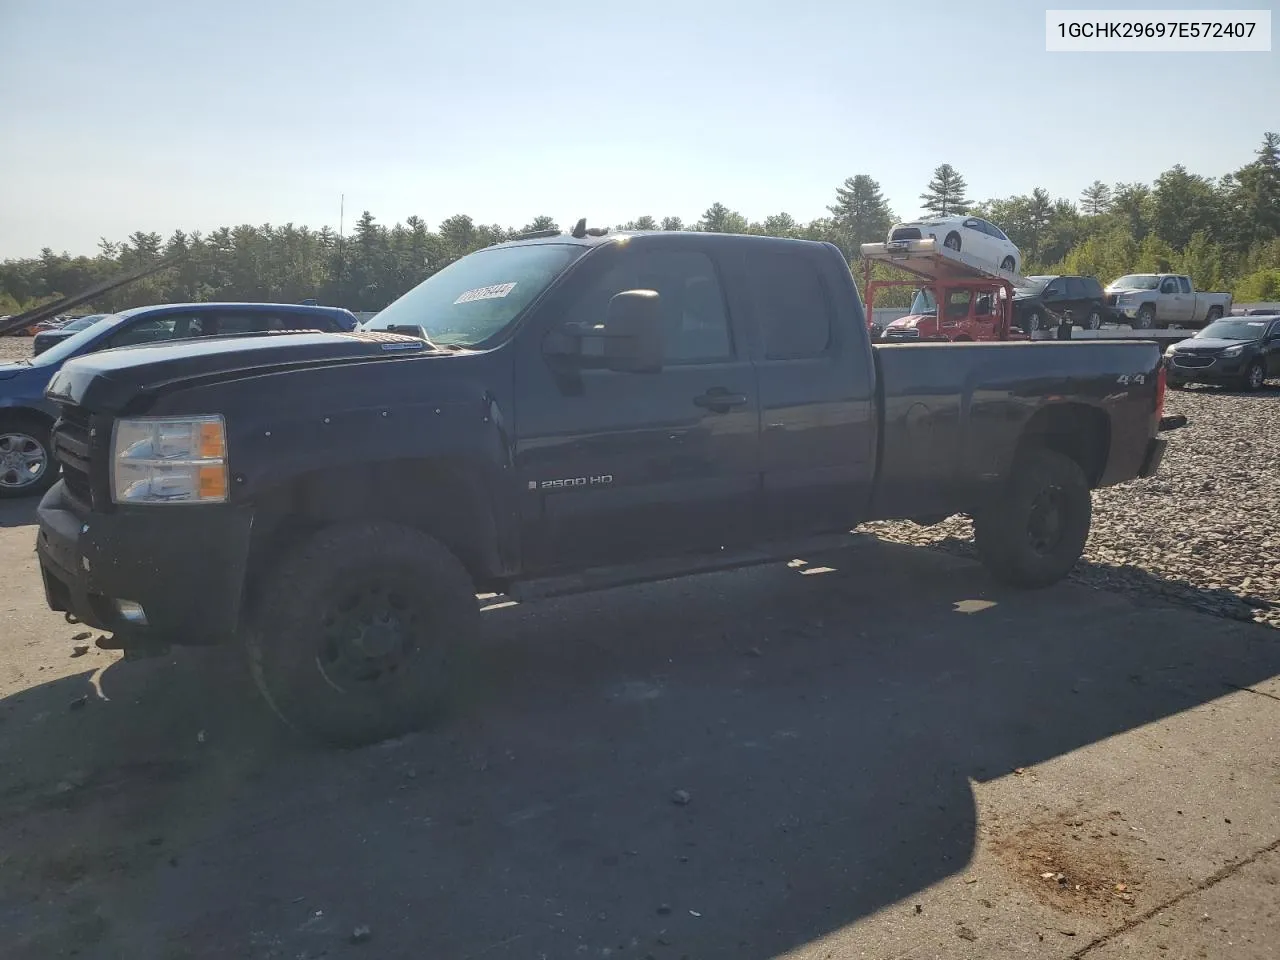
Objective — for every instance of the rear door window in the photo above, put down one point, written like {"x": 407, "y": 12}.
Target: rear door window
{"x": 1076, "y": 289}
{"x": 1184, "y": 284}
{"x": 791, "y": 303}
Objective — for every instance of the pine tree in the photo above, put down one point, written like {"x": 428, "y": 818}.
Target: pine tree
{"x": 1096, "y": 198}
{"x": 945, "y": 194}
{"x": 860, "y": 212}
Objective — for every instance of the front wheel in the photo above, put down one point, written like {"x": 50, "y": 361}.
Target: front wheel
{"x": 360, "y": 633}
{"x": 27, "y": 467}
{"x": 1254, "y": 377}
{"x": 1093, "y": 321}
{"x": 1034, "y": 533}
{"x": 1146, "y": 318}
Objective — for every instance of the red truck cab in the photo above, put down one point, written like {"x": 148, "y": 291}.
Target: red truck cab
{"x": 957, "y": 297}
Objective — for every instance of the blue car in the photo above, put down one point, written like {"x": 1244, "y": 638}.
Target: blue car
{"x": 26, "y": 464}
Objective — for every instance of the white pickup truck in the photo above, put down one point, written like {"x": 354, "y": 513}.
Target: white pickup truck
{"x": 1151, "y": 300}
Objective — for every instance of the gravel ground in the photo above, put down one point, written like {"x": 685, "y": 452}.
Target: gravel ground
{"x": 1205, "y": 532}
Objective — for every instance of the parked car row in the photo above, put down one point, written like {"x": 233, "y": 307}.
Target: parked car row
{"x": 26, "y": 463}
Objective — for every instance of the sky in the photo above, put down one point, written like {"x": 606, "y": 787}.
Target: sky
{"x": 130, "y": 115}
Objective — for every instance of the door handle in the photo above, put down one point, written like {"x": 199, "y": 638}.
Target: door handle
{"x": 720, "y": 400}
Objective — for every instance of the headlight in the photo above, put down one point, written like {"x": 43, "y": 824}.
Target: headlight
{"x": 1232, "y": 351}
{"x": 1170, "y": 350}
{"x": 163, "y": 460}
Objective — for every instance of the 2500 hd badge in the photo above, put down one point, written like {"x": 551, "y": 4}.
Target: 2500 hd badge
{"x": 601, "y": 481}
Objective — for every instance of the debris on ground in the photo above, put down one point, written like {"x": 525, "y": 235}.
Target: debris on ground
{"x": 361, "y": 934}
{"x": 78, "y": 703}
{"x": 79, "y": 650}
{"x": 82, "y": 635}
{"x": 681, "y": 798}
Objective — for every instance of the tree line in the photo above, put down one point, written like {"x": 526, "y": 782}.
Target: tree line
{"x": 1224, "y": 232}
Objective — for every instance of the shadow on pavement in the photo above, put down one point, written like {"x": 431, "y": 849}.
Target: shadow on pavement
{"x": 825, "y": 720}
{"x": 19, "y": 512}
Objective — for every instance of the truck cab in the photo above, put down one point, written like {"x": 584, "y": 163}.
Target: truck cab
{"x": 974, "y": 311}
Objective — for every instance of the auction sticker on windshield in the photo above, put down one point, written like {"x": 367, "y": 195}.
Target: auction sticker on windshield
{"x": 494, "y": 291}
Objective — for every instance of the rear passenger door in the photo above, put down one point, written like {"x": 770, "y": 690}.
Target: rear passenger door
{"x": 1077, "y": 300}
{"x": 817, "y": 415}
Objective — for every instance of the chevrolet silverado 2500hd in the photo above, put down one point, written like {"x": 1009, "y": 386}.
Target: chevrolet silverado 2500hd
{"x": 546, "y": 416}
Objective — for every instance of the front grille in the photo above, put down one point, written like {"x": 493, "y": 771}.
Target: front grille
{"x": 76, "y": 438}
{"x": 1111, "y": 299}
{"x": 1186, "y": 360}
{"x": 905, "y": 233}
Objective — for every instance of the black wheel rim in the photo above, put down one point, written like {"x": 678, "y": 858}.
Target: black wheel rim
{"x": 1047, "y": 520}
{"x": 368, "y": 636}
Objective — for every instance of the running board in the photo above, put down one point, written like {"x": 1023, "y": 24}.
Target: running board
{"x": 605, "y": 578}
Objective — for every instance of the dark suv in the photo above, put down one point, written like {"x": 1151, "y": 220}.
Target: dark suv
{"x": 1046, "y": 299}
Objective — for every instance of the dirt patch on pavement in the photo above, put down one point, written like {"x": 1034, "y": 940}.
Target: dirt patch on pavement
{"x": 1082, "y": 866}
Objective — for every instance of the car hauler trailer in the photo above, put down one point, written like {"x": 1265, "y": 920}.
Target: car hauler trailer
{"x": 973, "y": 301}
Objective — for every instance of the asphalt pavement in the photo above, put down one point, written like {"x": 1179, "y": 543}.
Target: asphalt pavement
{"x": 874, "y": 753}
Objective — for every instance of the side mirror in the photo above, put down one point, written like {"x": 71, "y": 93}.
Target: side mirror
{"x": 629, "y": 341}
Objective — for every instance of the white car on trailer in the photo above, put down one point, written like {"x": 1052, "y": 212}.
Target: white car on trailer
{"x": 978, "y": 238}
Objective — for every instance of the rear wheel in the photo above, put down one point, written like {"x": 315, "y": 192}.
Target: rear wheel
{"x": 1007, "y": 264}
{"x": 1215, "y": 313}
{"x": 361, "y": 632}
{"x": 27, "y": 467}
{"x": 952, "y": 241}
{"x": 1036, "y": 531}
{"x": 1035, "y": 321}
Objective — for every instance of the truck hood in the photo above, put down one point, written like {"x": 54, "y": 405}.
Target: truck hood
{"x": 109, "y": 380}
{"x": 1210, "y": 345}
{"x": 910, "y": 321}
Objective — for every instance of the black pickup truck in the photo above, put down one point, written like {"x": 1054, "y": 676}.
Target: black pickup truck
{"x": 546, "y": 416}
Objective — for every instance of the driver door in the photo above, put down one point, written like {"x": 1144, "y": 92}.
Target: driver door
{"x": 1272, "y": 347}
{"x": 620, "y": 467}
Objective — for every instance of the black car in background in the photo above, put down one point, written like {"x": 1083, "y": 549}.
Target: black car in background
{"x": 1237, "y": 351}
{"x": 1046, "y": 299}
{"x": 47, "y": 338}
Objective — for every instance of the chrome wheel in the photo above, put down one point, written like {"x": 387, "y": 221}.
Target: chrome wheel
{"x": 1094, "y": 321}
{"x": 23, "y": 460}
{"x": 1257, "y": 377}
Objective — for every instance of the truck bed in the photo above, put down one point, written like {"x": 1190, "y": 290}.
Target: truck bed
{"x": 952, "y": 413}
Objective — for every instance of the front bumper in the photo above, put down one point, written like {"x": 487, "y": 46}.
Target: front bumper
{"x": 184, "y": 565}
{"x": 1220, "y": 369}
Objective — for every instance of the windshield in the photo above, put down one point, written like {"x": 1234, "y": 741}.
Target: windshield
{"x": 924, "y": 303}
{"x": 1234, "y": 330}
{"x": 81, "y": 323}
{"x": 1035, "y": 285}
{"x": 476, "y": 297}
{"x": 1137, "y": 281}
{"x": 71, "y": 345}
